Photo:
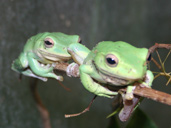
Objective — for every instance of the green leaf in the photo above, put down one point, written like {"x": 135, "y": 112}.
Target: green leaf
{"x": 140, "y": 120}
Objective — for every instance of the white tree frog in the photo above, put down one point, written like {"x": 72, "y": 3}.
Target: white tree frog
{"x": 43, "y": 50}
{"x": 116, "y": 64}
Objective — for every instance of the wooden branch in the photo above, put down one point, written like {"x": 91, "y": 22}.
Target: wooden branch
{"x": 61, "y": 66}
{"x": 42, "y": 109}
{"x": 152, "y": 94}
{"x": 84, "y": 111}
{"x": 156, "y": 46}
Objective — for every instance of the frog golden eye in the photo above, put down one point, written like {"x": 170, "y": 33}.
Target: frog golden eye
{"x": 111, "y": 60}
{"x": 48, "y": 42}
{"x": 79, "y": 40}
{"x": 149, "y": 57}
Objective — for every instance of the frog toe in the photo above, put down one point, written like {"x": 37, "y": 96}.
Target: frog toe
{"x": 129, "y": 96}
{"x": 60, "y": 78}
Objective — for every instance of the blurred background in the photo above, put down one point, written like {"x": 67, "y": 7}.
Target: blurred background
{"x": 141, "y": 23}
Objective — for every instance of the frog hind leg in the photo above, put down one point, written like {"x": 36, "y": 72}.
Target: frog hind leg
{"x": 22, "y": 68}
{"x": 20, "y": 64}
{"x": 29, "y": 73}
{"x": 41, "y": 71}
{"x": 91, "y": 85}
{"x": 17, "y": 66}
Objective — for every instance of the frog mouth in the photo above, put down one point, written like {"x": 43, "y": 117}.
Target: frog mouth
{"x": 50, "y": 56}
{"x": 112, "y": 79}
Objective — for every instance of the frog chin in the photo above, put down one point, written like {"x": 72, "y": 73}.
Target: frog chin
{"x": 114, "y": 80}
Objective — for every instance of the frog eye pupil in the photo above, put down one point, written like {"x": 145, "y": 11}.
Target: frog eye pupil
{"x": 48, "y": 43}
{"x": 111, "y": 61}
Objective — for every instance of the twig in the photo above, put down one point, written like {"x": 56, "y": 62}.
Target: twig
{"x": 160, "y": 67}
{"x": 157, "y": 64}
{"x": 42, "y": 109}
{"x": 156, "y": 46}
{"x": 85, "y": 110}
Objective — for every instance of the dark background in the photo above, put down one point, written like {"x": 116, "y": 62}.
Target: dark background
{"x": 141, "y": 23}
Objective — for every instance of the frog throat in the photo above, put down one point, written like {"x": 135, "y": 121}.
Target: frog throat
{"x": 110, "y": 78}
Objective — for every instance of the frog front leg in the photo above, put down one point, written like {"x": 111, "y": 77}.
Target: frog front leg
{"x": 148, "y": 79}
{"x": 78, "y": 52}
{"x": 146, "y": 83}
{"x": 40, "y": 70}
{"x": 91, "y": 85}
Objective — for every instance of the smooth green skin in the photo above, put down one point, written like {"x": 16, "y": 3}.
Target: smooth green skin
{"x": 37, "y": 60}
{"x": 95, "y": 73}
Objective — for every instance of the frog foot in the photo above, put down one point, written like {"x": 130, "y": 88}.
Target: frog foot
{"x": 129, "y": 96}
{"x": 73, "y": 70}
{"x": 129, "y": 93}
{"x": 102, "y": 91}
{"x": 60, "y": 78}
{"x": 144, "y": 85}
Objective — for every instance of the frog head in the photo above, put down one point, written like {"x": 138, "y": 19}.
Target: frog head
{"x": 120, "y": 63}
{"x": 53, "y": 46}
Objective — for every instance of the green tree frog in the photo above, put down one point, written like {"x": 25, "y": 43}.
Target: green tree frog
{"x": 116, "y": 64}
{"x": 43, "y": 50}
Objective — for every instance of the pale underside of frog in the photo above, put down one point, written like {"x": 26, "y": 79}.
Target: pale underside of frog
{"x": 42, "y": 51}
{"x": 116, "y": 64}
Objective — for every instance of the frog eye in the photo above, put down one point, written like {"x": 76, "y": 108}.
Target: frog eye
{"x": 48, "y": 42}
{"x": 111, "y": 60}
{"x": 149, "y": 57}
{"x": 79, "y": 40}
